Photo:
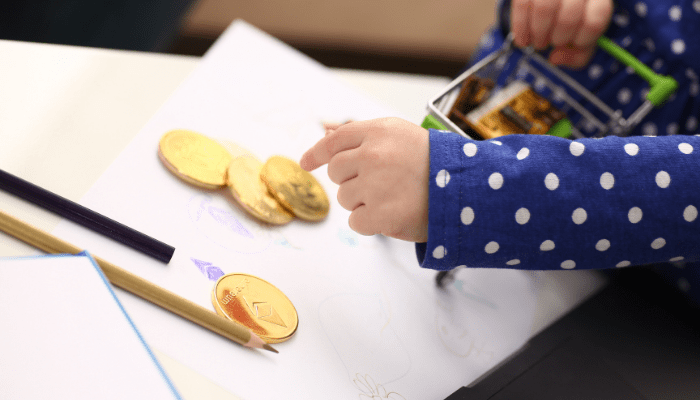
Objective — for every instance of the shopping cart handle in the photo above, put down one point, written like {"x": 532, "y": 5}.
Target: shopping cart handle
{"x": 660, "y": 86}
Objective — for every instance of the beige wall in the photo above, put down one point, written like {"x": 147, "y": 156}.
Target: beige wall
{"x": 446, "y": 30}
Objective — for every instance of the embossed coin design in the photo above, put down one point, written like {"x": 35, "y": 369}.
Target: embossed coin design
{"x": 296, "y": 189}
{"x": 251, "y": 193}
{"x": 194, "y": 158}
{"x": 257, "y": 304}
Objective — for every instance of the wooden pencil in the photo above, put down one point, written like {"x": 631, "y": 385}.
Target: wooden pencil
{"x": 137, "y": 285}
{"x": 86, "y": 217}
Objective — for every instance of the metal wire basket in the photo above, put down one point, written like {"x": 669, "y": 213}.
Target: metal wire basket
{"x": 481, "y": 104}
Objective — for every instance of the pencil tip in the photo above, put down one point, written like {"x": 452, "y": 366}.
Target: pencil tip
{"x": 270, "y": 348}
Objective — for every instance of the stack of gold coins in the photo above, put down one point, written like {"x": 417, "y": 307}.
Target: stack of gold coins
{"x": 274, "y": 192}
{"x": 256, "y": 304}
{"x": 296, "y": 189}
{"x": 251, "y": 193}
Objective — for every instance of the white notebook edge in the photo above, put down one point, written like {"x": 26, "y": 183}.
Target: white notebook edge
{"x": 110, "y": 288}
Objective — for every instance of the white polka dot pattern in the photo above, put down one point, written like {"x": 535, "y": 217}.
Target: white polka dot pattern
{"x": 694, "y": 89}
{"x": 496, "y": 181}
{"x": 678, "y": 46}
{"x": 634, "y": 215}
{"x": 595, "y": 71}
{"x": 649, "y": 129}
{"x": 547, "y": 245}
{"x": 470, "y": 149}
{"x": 607, "y": 181}
{"x": 685, "y": 148}
{"x": 641, "y": 9}
{"x": 491, "y": 247}
{"x": 690, "y": 213}
{"x": 672, "y": 128}
{"x": 621, "y": 20}
{"x": 675, "y": 13}
{"x": 579, "y": 216}
{"x": 663, "y": 179}
{"x": 467, "y": 216}
{"x": 523, "y": 153}
{"x": 439, "y": 252}
{"x": 442, "y": 178}
{"x": 551, "y": 181}
{"x": 649, "y": 44}
{"x": 631, "y": 149}
{"x": 624, "y": 96}
{"x": 576, "y": 148}
{"x": 602, "y": 245}
{"x": 658, "y": 243}
{"x": 522, "y": 216}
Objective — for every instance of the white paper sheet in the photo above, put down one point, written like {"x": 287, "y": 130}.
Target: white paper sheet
{"x": 65, "y": 335}
{"x": 372, "y": 323}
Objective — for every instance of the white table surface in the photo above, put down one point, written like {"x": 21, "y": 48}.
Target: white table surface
{"x": 67, "y": 112}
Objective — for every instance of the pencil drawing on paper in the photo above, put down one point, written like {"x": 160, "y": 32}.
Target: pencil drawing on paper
{"x": 461, "y": 342}
{"x": 456, "y": 320}
{"x": 348, "y": 237}
{"x": 217, "y": 220}
{"x": 371, "y": 347}
{"x": 372, "y": 390}
{"x": 470, "y": 291}
{"x": 482, "y": 314}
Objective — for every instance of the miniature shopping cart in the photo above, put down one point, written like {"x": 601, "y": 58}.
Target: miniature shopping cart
{"x": 478, "y": 106}
{"x": 537, "y": 97}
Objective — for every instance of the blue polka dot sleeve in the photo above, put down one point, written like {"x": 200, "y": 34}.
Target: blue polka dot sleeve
{"x": 543, "y": 202}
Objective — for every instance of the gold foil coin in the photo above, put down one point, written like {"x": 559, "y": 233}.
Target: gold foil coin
{"x": 194, "y": 158}
{"x": 256, "y": 304}
{"x": 296, "y": 189}
{"x": 251, "y": 193}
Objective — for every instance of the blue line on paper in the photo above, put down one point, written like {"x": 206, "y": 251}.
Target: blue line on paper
{"x": 128, "y": 318}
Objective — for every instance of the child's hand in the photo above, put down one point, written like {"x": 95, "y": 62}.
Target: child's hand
{"x": 382, "y": 167}
{"x": 571, "y": 27}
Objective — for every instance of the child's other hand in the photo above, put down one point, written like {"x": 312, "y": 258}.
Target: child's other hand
{"x": 571, "y": 27}
{"x": 382, "y": 167}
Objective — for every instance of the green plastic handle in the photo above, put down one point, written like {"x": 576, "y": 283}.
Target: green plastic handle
{"x": 430, "y": 122}
{"x": 660, "y": 86}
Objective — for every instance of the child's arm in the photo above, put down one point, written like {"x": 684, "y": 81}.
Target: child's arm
{"x": 543, "y": 202}
{"x": 521, "y": 201}
{"x": 571, "y": 27}
{"x": 382, "y": 169}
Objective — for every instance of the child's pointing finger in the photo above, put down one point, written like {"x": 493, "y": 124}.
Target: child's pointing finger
{"x": 343, "y": 138}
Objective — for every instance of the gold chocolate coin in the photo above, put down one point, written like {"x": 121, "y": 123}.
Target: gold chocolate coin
{"x": 296, "y": 189}
{"x": 256, "y": 304}
{"x": 251, "y": 193}
{"x": 194, "y": 158}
